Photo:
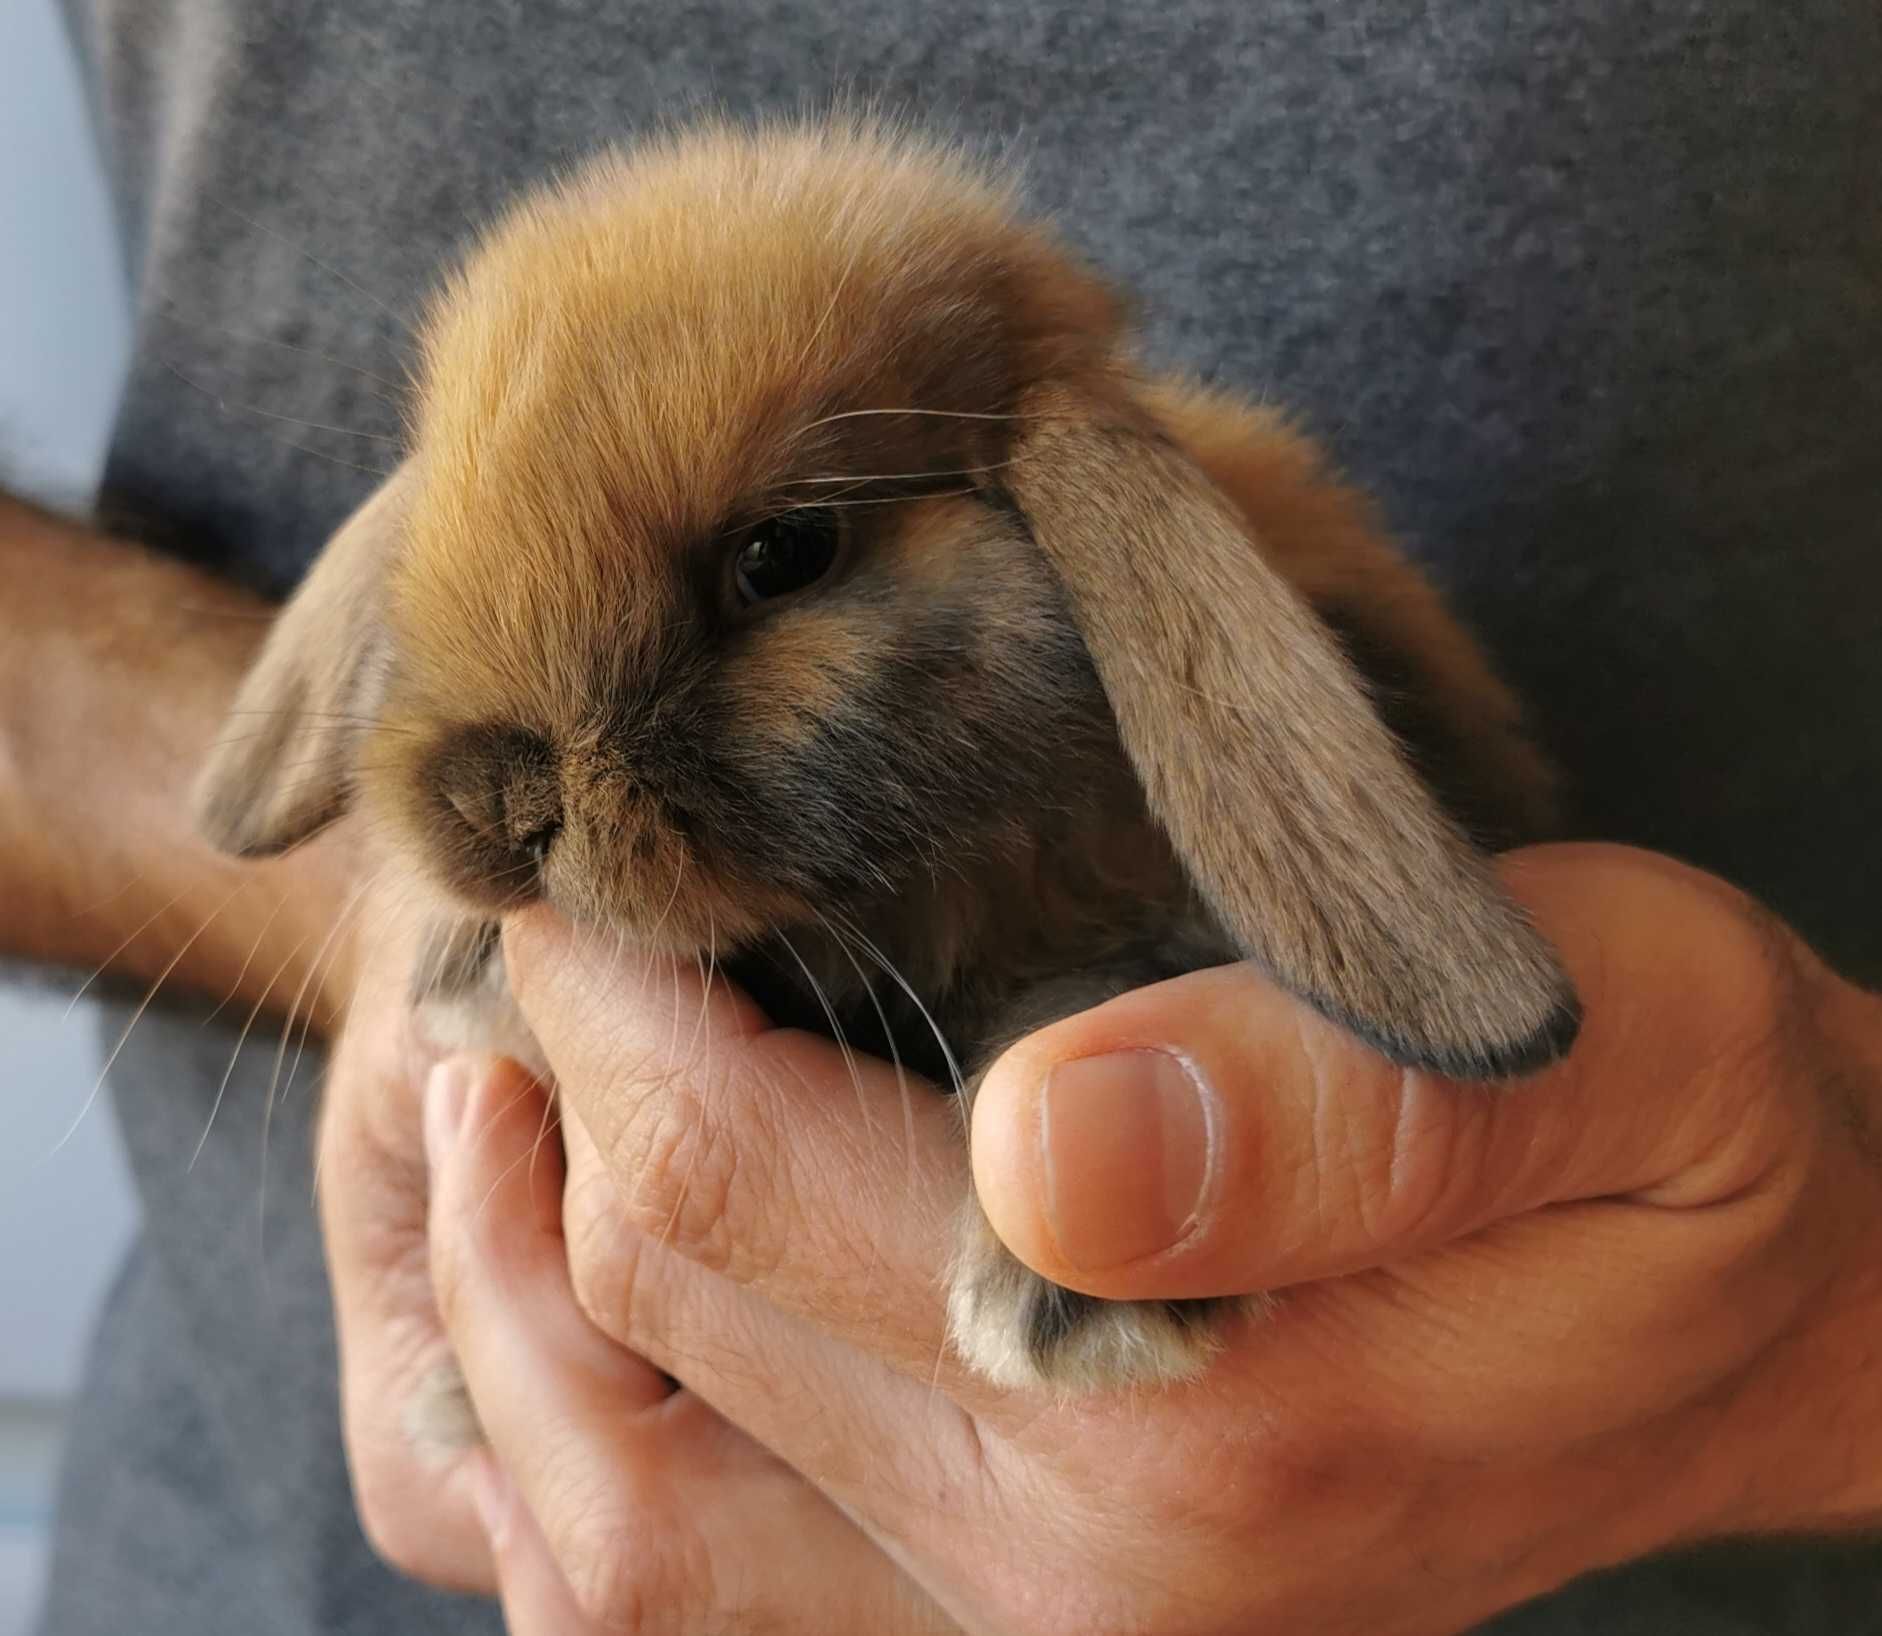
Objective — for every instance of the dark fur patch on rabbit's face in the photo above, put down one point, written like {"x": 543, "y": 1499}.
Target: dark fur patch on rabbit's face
{"x": 1059, "y": 719}
{"x": 574, "y": 702}
{"x": 707, "y": 775}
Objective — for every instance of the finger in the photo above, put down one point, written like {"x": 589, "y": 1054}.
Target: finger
{"x": 634, "y": 1507}
{"x": 944, "y": 1490}
{"x": 825, "y": 1180}
{"x": 536, "y": 1598}
{"x": 846, "y": 1409}
{"x": 1212, "y": 1136}
{"x": 538, "y": 1601}
{"x": 405, "y": 1459}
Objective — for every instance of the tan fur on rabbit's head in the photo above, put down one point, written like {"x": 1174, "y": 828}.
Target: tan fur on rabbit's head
{"x": 791, "y": 566}
{"x": 786, "y": 530}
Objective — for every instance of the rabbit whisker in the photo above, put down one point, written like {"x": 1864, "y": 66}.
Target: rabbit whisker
{"x": 300, "y": 250}
{"x": 878, "y": 500}
{"x": 947, "y": 1051}
{"x": 254, "y": 949}
{"x": 241, "y": 1040}
{"x": 347, "y": 911}
{"x": 836, "y": 1027}
{"x": 947, "y": 414}
{"x": 227, "y": 407}
{"x": 136, "y": 1016}
{"x": 909, "y": 476}
{"x": 111, "y": 959}
{"x": 888, "y": 1035}
{"x": 110, "y": 898}
{"x": 706, "y": 969}
{"x": 520, "y": 1161}
{"x": 171, "y": 315}
{"x": 671, "y": 1225}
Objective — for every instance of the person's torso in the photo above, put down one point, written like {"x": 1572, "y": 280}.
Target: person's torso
{"x": 1589, "y": 295}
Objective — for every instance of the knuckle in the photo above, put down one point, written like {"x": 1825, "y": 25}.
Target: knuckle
{"x": 1763, "y": 1029}
{"x": 1426, "y": 1164}
{"x": 1744, "y": 964}
{"x": 639, "y": 1580}
{"x": 607, "y": 1271}
{"x": 684, "y": 1179}
{"x": 609, "y": 1591}
{"x": 1381, "y": 1148}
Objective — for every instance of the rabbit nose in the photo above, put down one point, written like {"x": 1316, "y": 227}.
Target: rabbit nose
{"x": 505, "y": 785}
{"x": 539, "y": 840}
{"x": 520, "y": 812}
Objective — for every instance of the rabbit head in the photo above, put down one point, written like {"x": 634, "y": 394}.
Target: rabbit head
{"x": 783, "y": 519}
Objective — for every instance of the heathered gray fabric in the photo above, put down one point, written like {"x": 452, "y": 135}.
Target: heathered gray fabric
{"x": 1588, "y": 291}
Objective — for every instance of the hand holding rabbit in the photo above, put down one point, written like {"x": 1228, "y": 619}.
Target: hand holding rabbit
{"x": 793, "y": 572}
{"x": 1518, "y": 1337}
{"x": 813, "y": 582}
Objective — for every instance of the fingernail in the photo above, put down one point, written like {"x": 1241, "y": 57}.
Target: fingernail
{"x": 1126, "y": 1144}
{"x": 447, "y": 1091}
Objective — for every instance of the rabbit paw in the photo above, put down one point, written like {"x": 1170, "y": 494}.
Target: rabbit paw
{"x": 440, "y": 1421}
{"x": 1018, "y": 1329}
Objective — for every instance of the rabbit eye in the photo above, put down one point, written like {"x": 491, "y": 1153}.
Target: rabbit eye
{"x": 785, "y": 555}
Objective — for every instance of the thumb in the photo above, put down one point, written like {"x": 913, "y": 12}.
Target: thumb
{"x": 1213, "y": 1136}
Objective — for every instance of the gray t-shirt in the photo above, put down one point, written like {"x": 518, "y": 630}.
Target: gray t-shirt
{"x": 1589, "y": 293}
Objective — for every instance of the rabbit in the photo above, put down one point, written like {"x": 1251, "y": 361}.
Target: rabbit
{"x": 793, "y": 564}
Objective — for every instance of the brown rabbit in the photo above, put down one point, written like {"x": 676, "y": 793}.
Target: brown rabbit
{"x": 791, "y": 564}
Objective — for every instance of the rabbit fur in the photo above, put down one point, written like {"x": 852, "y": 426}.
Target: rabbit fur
{"x": 1106, "y": 678}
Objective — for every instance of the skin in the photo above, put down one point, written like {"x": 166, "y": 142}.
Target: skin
{"x": 1634, "y": 1302}
{"x": 116, "y": 668}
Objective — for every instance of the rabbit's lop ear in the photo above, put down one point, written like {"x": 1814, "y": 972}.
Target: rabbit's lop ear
{"x": 1288, "y": 799}
{"x": 282, "y": 767}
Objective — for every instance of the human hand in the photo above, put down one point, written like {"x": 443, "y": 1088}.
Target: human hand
{"x": 1523, "y": 1333}
{"x": 398, "y": 1385}
{"x": 609, "y": 1499}
{"x": 441, "y": 1212}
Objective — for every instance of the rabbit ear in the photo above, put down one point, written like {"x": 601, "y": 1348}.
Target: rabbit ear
{"x": 282, "y": 768}
{"x": 1288, "y": 799}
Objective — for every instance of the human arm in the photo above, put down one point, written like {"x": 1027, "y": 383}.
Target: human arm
{"x": 657, "y": 1513}
{"x": 116, "y": 668}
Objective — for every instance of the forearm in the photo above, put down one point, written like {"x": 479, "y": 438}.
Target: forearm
{"x": 116, "y": 668}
